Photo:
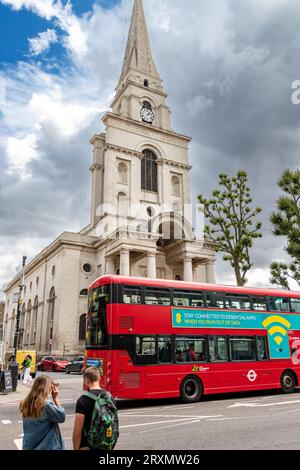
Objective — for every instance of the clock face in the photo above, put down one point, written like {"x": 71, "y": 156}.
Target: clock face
{"x": 147, "y": 115}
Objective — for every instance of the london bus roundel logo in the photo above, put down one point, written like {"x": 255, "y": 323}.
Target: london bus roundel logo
{"x": 252, "y": 375}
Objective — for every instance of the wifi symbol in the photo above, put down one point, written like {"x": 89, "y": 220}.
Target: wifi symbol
{"x": 279, "y": 331}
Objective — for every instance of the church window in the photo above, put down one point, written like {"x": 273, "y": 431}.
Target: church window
{"x": 176, "y": 190}
{"x": 87, "y": 267}
{"x": 53, "y": 272}
{"x": 82, "y": 323}
{"x": 149, "y": 171}
{"x": 123, "y": 173}
{"x": 146, "y": 83}
{"x": 50, "y": 321}
{"x": 147, "y": 105}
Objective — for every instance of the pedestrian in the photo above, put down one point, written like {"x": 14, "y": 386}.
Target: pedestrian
{"x": 96, "y": 423}
{"x": 23, "y": 369}
{"x": 27, "y": 379}
{"x": 41, "y": 416}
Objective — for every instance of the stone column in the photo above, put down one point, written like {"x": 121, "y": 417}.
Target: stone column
{"x": 151, "y": 265}
{"x": 188, "y": 269}
{"x": 110, "y": 265}
{"x": 124, "y": 262}
{"x": 210, "y": 272}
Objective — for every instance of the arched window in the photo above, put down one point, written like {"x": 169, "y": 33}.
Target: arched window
{"x": 50, "y": 323}
{"x": 123, "y": 173}
{"x": 146, "y": 83}
{"x": 83, "y": 292}
{"x": 28, "y": 322}
{"x": 147, "y": 105}
{"x": 149, "y": 171}
{"x": 176, "y": 190}
{"x": 34, "y": 321}
{"x": 82, "y": 323}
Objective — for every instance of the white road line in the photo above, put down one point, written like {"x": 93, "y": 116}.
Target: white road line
{"x": 174, "y": 416}
{"x": 18, "y": 443}
{"x": 171, "y": 426}
{"x": 6, "y": 421}
{"x": 256, "y": 405}
{"x": 226, "y": 419}
{"x": 157, "y": 422}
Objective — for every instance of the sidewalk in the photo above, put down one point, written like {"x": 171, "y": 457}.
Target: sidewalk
{"x": 15, "y": 397}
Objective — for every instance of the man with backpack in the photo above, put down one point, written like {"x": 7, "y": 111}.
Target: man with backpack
{"x": 96, "y": 425}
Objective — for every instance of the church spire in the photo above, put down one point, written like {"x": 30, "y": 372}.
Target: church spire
{"x": 138, "y": 61}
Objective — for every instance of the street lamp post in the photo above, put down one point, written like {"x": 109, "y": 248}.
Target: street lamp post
{"x": 14, "y": 366}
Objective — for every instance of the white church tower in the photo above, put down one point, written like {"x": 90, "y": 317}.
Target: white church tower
{"x": 141, "y": 190}
{"x": 140, "y": 215}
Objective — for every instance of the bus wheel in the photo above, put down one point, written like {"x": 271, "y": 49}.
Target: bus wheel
{"x": 191, "y": 389}
{"x": 288, "y": 382}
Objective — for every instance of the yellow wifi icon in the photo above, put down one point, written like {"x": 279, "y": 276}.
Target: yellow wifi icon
{"x": 276, "y": 330}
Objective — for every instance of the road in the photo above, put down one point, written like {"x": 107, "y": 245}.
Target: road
{"x": 242, "y": 421}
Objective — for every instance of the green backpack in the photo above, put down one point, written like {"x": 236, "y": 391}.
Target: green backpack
{"x": 104, "y": 430}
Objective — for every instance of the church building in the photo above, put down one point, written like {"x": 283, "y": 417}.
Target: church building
{"x": 141, "y": 218}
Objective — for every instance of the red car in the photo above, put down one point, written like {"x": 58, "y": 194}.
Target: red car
{"x": 53, "y": 363}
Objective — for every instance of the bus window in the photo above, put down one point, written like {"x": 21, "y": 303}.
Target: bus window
{"x": 96, "y": 322}
{"x": 279, "y": 304}
{"x": 262, "y": 350}
{"x": 157, "y": 297}
{"x": 132, "y": 295}
{"x": 218, "y": 349}
{"x": 242, "y": 349}
{"x": 188, "y": 299}
{"x": 165, "y": 349}
{"x": 214, "y": 300}
{"x": 239, "y": 302}
{"x": 295, "y": 305}
{"x": 145, "y": 346}
{"x": 190, "y": 350}
{"x": 259, "y": 303}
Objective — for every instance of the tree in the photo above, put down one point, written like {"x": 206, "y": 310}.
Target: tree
{"x": 232, "y": 222}
{"x": 286, "y": 222}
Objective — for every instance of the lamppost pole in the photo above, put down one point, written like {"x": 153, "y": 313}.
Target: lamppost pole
{"x": 17, "y": 330}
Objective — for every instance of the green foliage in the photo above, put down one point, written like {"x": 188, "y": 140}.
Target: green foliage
{"x": 286, "y": 223}
{"x": 232, "y": 222}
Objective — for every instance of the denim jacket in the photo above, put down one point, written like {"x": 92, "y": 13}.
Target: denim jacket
{"x": 43, "y": 433}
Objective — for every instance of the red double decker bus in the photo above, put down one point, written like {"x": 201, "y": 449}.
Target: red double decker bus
{"x": 159, "y": 339}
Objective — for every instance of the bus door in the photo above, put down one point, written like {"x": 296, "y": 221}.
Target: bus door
{"x": 250, "y": 366}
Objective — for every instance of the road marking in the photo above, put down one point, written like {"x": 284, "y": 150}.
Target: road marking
{"x": 6, "y": 421}
{"x": 226, "y": 419}
{"x": 173, "y": 416}
{"x": 19, "y": 443}
{"x": 171, "y": 426}
{"x": 160, "y": 422}
{"x": 256, "y": 405}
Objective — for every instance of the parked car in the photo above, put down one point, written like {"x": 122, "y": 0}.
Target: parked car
{"x": 53, "y": 363}
{"x": 76, "y": 365}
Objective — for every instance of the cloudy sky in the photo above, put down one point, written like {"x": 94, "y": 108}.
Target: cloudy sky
{"x": 228, "y": 66}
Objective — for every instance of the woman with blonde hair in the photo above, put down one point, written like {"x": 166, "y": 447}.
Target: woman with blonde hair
{"x": 41, "y": 416}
